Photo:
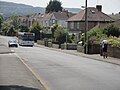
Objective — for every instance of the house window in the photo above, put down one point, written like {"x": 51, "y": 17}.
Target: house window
{"x": 72, "y": 25}
{"x": 78, "y": 25}
{"x": 53, "y": 21}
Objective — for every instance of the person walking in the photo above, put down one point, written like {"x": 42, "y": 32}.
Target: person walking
{"x": 104, "y": 48}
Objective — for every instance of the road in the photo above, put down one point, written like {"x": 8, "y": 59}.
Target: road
{"x": 14, "y": 75}
{"x": 61, "y": 71}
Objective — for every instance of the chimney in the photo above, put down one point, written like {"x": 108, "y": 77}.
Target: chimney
{"x": 99, "y": 7}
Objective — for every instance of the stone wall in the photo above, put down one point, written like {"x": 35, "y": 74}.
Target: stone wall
{"x": 55, "y": 46}
{"x": 41, "y": 42}
{"x": 114, "y": 52}
{"x": 80, "y": 48}
{"x": 69, "y": 46}
{"x": 92, "y": 49}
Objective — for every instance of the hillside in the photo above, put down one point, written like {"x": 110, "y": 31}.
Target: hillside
{"x": 116, "y": 16}
{"x": 9, "y": 9}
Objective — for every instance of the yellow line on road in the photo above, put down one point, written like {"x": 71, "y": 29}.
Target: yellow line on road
{"x": 40, "y": 80}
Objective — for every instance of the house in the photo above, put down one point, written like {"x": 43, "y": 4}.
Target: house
{"x": 60, "y": 17}
{"x": 30, "y": 19}
{"x": 117, "y": 23}
{"x": 47, "y": 20}
{"x": 95, "y": 18}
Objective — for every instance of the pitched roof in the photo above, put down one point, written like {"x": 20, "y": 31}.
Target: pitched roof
{"x": 77, "y": 17}
{"x": 47, "y": 16}
{"x": 117, "y": 23}
{"x": 58, "y": 15}
{"x": 62, "y": 15}
{"x": 92, "y": 15}
{"x": 116, "y": 16}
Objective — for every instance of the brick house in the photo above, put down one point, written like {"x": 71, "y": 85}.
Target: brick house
{"x": 95, "y": 18}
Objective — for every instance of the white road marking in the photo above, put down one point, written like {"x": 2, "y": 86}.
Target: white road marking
{"x": 12, "y": 50}
{"x": 40, "y": 80}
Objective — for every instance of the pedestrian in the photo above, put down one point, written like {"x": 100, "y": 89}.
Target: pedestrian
{"x": 101, "y": 52}
{"x": 104, "y": 48}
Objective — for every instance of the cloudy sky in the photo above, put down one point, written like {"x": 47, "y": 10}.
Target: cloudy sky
{"x": 109, "y": 6}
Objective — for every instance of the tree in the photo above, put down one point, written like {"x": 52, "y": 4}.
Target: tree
{"x": 23, "y": 28}
{"x": 36, "y": 28}
{"x": 94, "y": 36}
{"x": 5, "y": 27}
{"x": 112, "y": 30}
{"x": 11, "y": 31}
{"x": 15, "y": 22}
{"x": 53, "y": 28}
{"x": 60, "y": 35}
{"x": 1, "y": 21}
{"x": 54, "y": 6}
{"x": 9, "y": 25}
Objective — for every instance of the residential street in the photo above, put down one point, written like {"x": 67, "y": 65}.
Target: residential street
{"x": 68, "y": 72}
{"x": 59, "y": 45}
{"x": 62, "y": 71}
{"x": 13, "y": 73}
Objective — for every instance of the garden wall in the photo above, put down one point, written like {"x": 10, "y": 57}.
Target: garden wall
{"x": 69, "y": 46}
{"x": 92, "y": 49}
{"x": 114, "y": 52}
{"x": 41, "y": 42}
{"x": 55, "y": 46}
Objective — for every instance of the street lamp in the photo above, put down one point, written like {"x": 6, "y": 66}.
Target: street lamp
{"x": 86, "y": 27}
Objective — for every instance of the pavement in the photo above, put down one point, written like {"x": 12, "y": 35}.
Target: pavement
{"x": 94, "y": 56}
{"x": 4, "y": 49}
{"x": 111, "y": 60}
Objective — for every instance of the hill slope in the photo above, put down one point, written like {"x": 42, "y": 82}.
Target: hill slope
{"x": 9, "y": 9}
{"x": 116, "y": 16}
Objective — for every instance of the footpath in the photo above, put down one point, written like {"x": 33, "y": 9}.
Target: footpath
{"x": 111, "y": 60}
{"x": 94, "y": 56}
{"x": 14, "y": 75}
{"x": 4, "y": 49}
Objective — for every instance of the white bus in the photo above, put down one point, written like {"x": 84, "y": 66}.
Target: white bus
{"x": 26, "y": 38}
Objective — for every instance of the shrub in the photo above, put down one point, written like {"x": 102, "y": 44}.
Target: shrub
{"x": 110, "y": 33}
{"x": 114, "y": 41}
{"x": 112, "y": 30}
{"x": 94, "y": 36}
{"x": 60, "y": 35}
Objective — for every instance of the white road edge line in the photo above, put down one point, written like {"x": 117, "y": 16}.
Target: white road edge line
{"x": 40, "y": 80}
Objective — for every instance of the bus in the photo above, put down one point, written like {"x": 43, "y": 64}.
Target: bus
{"x": 26, "y": 38}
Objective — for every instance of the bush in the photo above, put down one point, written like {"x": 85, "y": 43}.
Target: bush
{"x": 110, "y": 33}
{"x": 60, "y": 35}
{"x": 114, "y": 41}
{"x": 94, "y": 36}
{"x": 112, "y": 30}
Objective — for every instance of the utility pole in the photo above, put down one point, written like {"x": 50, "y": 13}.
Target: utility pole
{"x": 86, "y": 27}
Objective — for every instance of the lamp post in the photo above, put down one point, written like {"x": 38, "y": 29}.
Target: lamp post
{"x": 86, "y": 27}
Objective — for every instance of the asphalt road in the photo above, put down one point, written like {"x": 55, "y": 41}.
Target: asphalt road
{"x": 60, "y": 71}
{"x": 14, "y": 75}
{"x": 68, "y": 72}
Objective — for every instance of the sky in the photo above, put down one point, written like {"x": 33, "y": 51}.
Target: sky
{"x": 108, "y": 6}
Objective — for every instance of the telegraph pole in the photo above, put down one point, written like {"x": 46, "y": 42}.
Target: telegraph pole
{"x": 86, "y": 27}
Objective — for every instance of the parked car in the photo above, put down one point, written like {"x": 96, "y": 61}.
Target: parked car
{"x": 12, "y": 43}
